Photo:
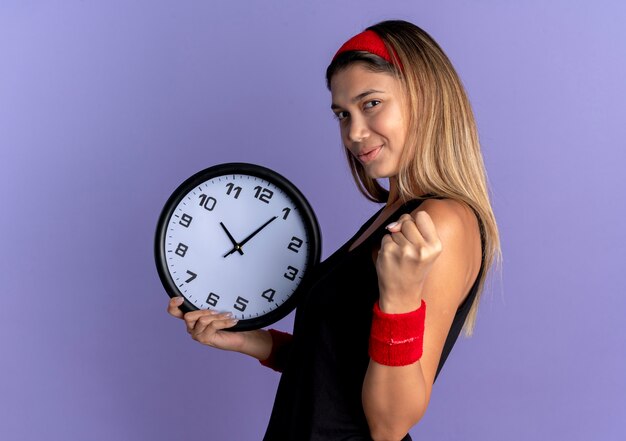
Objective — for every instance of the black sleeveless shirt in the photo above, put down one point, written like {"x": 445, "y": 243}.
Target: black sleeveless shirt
{"x": 319, "y": 393}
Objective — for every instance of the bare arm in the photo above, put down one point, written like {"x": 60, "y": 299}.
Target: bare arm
{"x": 257, "y": 344}
{"x": 208, "y": 327}
{"x": 395, "y": 398}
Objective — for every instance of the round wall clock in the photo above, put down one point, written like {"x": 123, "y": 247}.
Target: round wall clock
{"x": 237, "y": 237}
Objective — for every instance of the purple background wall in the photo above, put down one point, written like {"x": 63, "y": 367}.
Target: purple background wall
{"x": 105, "y": 107}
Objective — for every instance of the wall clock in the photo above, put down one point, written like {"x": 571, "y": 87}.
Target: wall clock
{"x": 237, "y": 237}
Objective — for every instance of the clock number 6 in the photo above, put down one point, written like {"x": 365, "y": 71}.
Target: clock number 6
{"x": 212, "y": 299}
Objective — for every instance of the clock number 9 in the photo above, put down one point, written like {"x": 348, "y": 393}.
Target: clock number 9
{"x": 185, "y": 221}
{"x": 207, "y": 202}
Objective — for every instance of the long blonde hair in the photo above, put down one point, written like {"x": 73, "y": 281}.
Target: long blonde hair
{"x": 442, "y": 153}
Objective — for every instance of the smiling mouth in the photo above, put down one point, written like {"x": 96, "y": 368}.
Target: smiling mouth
{"x": 370, "y": 154}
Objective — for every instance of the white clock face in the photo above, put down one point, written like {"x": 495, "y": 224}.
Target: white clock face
{"x": 237, "y": 243}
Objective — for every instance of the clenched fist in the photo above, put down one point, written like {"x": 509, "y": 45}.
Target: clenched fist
{"x": 405, "y": 257}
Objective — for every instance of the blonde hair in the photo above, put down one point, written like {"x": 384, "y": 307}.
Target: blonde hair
{"x": 442, "y": 153}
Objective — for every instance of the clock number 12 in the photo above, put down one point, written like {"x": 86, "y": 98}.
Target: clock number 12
{"x": 263, "y": 194}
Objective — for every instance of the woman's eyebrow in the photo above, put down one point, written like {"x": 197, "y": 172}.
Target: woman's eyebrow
{"x": 358, "y": 97}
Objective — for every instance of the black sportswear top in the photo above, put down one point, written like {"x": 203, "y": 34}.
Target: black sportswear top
{"x": 319, "y": 393}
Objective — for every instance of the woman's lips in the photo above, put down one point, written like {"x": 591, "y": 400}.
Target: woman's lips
{"x": 370, "y": 155}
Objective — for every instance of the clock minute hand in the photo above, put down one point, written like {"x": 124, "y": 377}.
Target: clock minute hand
{"x": 237, "y": 247}
{"x": 256, "y": 231}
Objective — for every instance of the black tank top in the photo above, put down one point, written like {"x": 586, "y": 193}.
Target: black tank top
{"x": 319, "y": 393}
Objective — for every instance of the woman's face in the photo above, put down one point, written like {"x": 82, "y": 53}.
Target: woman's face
{"x": 372, "y": 118}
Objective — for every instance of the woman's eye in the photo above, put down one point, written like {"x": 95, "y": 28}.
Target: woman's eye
{"x": 371, "y": 104}
{"x": 340, "y": 115}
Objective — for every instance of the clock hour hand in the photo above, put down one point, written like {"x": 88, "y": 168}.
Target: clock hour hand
{"x": 254, "y": 233}
{"x": 236, "y": 246}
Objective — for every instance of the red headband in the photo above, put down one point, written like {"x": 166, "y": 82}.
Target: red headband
{"x": 368, "y": 41}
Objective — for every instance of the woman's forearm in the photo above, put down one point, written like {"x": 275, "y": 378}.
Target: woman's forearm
{"x": 258, "y": 344}
{"x": 394, "y": 399}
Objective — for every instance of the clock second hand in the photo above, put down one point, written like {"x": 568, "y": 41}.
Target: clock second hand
{"x": 254, "y": 233}
{"x": 237, "y": 247}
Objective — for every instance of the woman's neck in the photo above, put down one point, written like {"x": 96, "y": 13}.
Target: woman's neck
{"x": 394, "y": 198}
{"x": 394, "y": 194}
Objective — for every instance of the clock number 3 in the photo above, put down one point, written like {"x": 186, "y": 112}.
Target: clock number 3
{"x": 291, "y": 273}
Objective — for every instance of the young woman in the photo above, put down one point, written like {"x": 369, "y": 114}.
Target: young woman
{"x": 365, "y": 351}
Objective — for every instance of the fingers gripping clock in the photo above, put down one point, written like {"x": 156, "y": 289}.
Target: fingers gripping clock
{"x": 237, "y": 237}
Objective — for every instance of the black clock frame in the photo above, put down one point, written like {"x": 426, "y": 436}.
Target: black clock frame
{"x": 233, "y": 168}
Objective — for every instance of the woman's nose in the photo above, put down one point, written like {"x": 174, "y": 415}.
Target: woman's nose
{"x": 358, "y": 130}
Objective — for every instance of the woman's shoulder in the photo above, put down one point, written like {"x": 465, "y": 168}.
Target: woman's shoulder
{"x": 446, "y": 213}
{"x": 448, "y": 210}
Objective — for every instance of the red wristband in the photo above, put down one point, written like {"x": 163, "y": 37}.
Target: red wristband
{"x": 279, "y": 339}
{"x": 397, "y": 339}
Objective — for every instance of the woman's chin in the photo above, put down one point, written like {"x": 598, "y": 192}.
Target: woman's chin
{"x": 377, "y": 172}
